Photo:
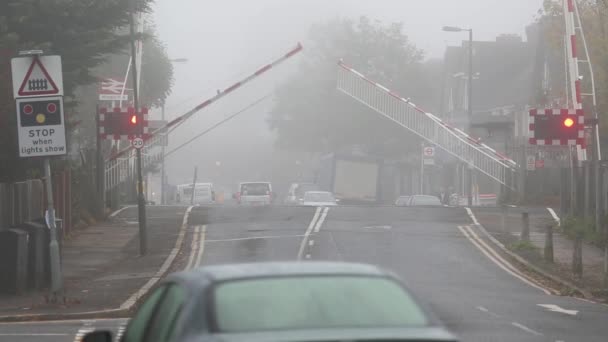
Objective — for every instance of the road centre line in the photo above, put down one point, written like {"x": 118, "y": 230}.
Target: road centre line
{"x": 201, "y": 247}
{"x": 256, "y": 238}
{"x": 499, "y": 261}
{"x": 321, "y": 220}
{"x": 193, "y": 247}
{"x": 526, "y": 329}
{"x": 307, "y": 233}
{"x": 129, "y": 303}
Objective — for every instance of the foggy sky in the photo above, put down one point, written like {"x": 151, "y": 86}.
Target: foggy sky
{"x": 224, "y": 40}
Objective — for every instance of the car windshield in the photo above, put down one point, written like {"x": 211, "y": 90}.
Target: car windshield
{"x": 314, "y": 302}
{"x": 319, "y": 197}
{"x": 426, "y": 200}
{"x": 255, "y": 189}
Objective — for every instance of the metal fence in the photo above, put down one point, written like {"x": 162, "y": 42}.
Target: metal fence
{"x": 21, "y": 202}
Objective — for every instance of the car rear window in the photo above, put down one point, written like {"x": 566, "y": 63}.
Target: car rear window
{"x": 315, "y": 302}
{"x": 255, "y": 189}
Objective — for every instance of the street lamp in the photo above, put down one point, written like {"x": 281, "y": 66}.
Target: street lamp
{"x": 470, "y": 93}
{"x": 470, "y": 82}
{"x": 163, "y": 182}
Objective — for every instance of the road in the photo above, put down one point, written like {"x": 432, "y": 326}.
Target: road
{"x": 436, "y": 250}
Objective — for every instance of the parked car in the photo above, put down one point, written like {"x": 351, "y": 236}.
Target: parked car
{"x": 319, "y": 199}
{"x": 255, "y": 193}
{"x": 289, "y": 302}
{"x": 297, "y": 190}
{"x": 403, "y": 201}
{"x": 425, "y": 201}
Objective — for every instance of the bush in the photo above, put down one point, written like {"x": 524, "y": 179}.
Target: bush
{"x": 576, "y": 226}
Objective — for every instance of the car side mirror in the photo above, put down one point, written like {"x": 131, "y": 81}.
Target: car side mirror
{"x": 98, "y": 336}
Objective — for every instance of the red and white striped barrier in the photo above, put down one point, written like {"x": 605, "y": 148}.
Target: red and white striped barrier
{"x": 181, "y": 119}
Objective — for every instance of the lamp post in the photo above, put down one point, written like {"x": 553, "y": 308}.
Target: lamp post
{"x": 470, "y": 99}
{"x": 163, "y": 181}
{"x": 470, "y": 71}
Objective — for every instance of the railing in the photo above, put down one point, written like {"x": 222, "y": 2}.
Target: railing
{"x": 425, "y": 125}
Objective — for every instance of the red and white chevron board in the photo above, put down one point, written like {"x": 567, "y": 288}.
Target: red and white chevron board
{"x": 580, "y": 122}
{"x": 106, "y": 133}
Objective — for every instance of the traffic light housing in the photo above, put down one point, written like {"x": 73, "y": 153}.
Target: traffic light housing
{"x": 557, "y": 127}
{"x": 40, "y": 113}
{"x": 123, "y": 125}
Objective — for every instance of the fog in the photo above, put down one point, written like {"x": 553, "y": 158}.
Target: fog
{"x": 225, "y": 40}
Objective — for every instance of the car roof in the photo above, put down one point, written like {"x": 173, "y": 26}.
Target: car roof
{"x": 279, "y": 269}
{"x": 318, "y": 192}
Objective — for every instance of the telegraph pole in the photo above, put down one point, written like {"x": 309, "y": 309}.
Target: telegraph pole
{"x": 141, "y": 201}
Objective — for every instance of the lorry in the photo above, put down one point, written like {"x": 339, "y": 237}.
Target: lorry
{"x": 352, "y": 179}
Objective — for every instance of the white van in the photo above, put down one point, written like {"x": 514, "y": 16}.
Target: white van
{"x": 255, "y": 193}
{"x": 203, "y": 194}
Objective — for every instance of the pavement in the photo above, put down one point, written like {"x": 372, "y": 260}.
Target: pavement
{"x": 442, "y": 256}
{"x": 103, "y": 272}
{"x": 540, "y": 217}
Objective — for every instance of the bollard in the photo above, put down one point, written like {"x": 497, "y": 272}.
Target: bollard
{"x": 525, "y": 229}
{"x": 549, "y": 244}
{"x": 577, "y": 255}
{"x": 503, "y": 219}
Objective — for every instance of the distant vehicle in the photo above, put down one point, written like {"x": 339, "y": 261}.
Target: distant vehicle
{"x": 297, "y": 190}
{"x": 351, "y": 179}
{"x": 403, "y": 201}
{"x": 255, "y": 193}
{"x": 289, "y": 302}
{"x": 319, "y": 198}
{"x": 424, "y": 201}
{"x": 204, "y": 194}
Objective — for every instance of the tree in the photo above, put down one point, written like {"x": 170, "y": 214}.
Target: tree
{"x": 311, "y": 115}
{"x": 84, "y": 33}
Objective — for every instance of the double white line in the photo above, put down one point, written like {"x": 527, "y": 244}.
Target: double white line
{"x": 197, "y": 248}
{"x": 315, "y": 225}
{"x": 489, "y": 252}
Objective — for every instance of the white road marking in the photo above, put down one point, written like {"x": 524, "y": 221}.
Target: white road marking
{"x": 67, "y": 321}
{"x": 307, "y": 233}
{"x": 379, "y": 227}
{"x": 193, "y": 247}
{"x": 557, "y": 308}
{"x": 483, "y": 309}
{"x": 201, "y": 247}
{"x": 526, "y": 329}
{"x": 554, "y": 215}
{"x": 256, "y": 238}
{"x": 321, "y": 220}
{"x": 115, "y": 213}
{"x": 496, "y": 258}
{"x": 120, "y": 332}
{"x": 311, "y": 243}
{"x": 129, "y": 303}
{"x": 82, "y": 332}
{"x": 472, "y": 216}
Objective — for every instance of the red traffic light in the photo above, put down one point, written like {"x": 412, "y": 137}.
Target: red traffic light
{"x": 134, "y": 119}
{"x": 568, "y": 122}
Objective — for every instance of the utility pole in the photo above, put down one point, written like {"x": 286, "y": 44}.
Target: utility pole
{"x": 163, "y": 183}
{"x": 141, "y": 201}
{"x": 194, "y": 185}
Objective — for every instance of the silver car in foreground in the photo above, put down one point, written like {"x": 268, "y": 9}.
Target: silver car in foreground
{"x": 305, "y": 301}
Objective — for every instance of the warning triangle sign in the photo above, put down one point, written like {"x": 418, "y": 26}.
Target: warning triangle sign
{"x": 37, "y": 81}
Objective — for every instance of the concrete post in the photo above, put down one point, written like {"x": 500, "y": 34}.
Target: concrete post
{"x": 577, "y": 257}
{"x": 525, "y": 228}
{"x": 549, "y": 244}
